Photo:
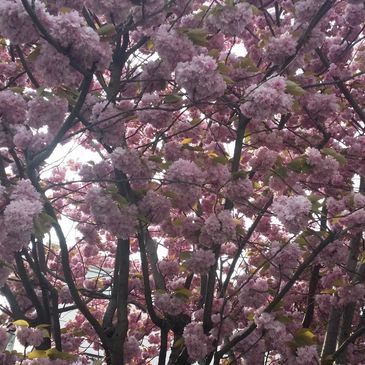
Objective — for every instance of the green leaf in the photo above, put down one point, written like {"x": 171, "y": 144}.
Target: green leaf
{"x": 34, "y": 54}
{"x": 186, "y": 141}
{"x": 299, "y": 164}
{"x": 37, "y": 354}
{"x": 247, "y": 64}
{"x": 197, "y": 35}
{"x": 184, "y": 255}
{"x": 220, "y": 159}
{"x": 107, "y": 30}
{"x": 328, "y": 291}
{"x": 223, "y": 68}
{"x": 150, "y": 44}
{"x": 293, "y": 88}
{"x": 304, "y": 337}
{"x": 172, "y": 98}
{"x": 42, "y": 224}
{"x": 155, "y": 158}
{"x": 228, "y": 80}
{"x": 337, "y": 156}
{"x": 21, "y": 323}
{"x": 183, "y": 293}
{"x": 281, "y": 171}
{"x": 239, "y": 175}
{"x": 54, "y": 354}
{"x": 169, "y": 194}
{"x": 179, "y": 343}
{"x": 284, "y": 319}
{"x": 265, "y": 267}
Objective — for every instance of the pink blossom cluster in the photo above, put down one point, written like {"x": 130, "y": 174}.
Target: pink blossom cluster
{"x": 266, "y": 321}
{"x": 155, "y": 75}
{"x": 108, "y": 124}
{"x": 263, "y": 159}
{"x": 220, "y": 227}
{"x": 280, "y": 48}
{"x": 24, "y": 138}
{"x": 151, "y": 13}
{"x": 116, "y": 10}
{"x": 305, "y": 9}
{"x": 120, "y": 220}
{"x": 196, "y": 341}
{"x": 130, "y": 162}
{"x": 265, "y": 100}
{"x": 98, "y": 171}
{"x": 44, "y": 361}
{"x": 169, "y": 268}
{"x": 47, "y": 112}
{"x": 155, "y": 207}
{"x": 200, "y": 78}
{"x": 29, "y": 336}
{"x": 355, "y": 14}
{"x": 231, "y": 20}
{"x": 4, "y": 338}
{"x": 200, "y": 261}
{"x": 253, "y": 291}
{"x": 307, "y": 355}
{"x": 84, "y": 43}
{"x": 169, "y": 43}
{"x": 334, "y": 254}
{"x": 326, "y": 167}
{"x": 53, "y": 68}
{"x": 292, "y": 211}
{"x": 184, "y": 179}
{"x": 89, "y": 232}
{"x": 17, "y": 221}
{"x": 285, "y": 258}
{"x": 321, "y": 106}
{"x": 152, "y": 112}
{"x": 217, "y": 174}
{"x": 132, "y": 349}
{"x": 12, "y": 108}
{"x": 170, "y": 304}
{"x": 15, "y": 23}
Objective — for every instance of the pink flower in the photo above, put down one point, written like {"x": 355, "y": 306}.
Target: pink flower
{"x": 280, "y": 48}
{"x": 49, "y": 112}
{"x": 169, "y": 44}
{"x": 239, "y": 190}
{"x": 170, "y": 304}
{"x": 29, "y": 336}
{"x": 231, "y": 20}
{"x": 108, "y": 124}
{"x": 168, "y": 268}
{"x": 267, "y": 99}
{"x": 153, "y": 112}
{"x": 12, "y": 107}
{"x": 3, "y": 338}
{"x": 200, "y": 261}
{"x": 119, "y": 219}
{"x": 196, "y": 341}
{"x": 200, "y": 78}
{"x": 132, "y": 349}
{"x": 307, "y": 355}
{"x": 221, "y": 227}
{"x": 184, "y": 179}
{"x": 292, "y": 211}
{"x": 15, "y": 23}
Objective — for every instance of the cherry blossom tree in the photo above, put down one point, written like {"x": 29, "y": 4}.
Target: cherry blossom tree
{"x": 207, "y": 158}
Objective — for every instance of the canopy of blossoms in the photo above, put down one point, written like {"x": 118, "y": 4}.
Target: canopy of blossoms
{"x": 215, "y": 191}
